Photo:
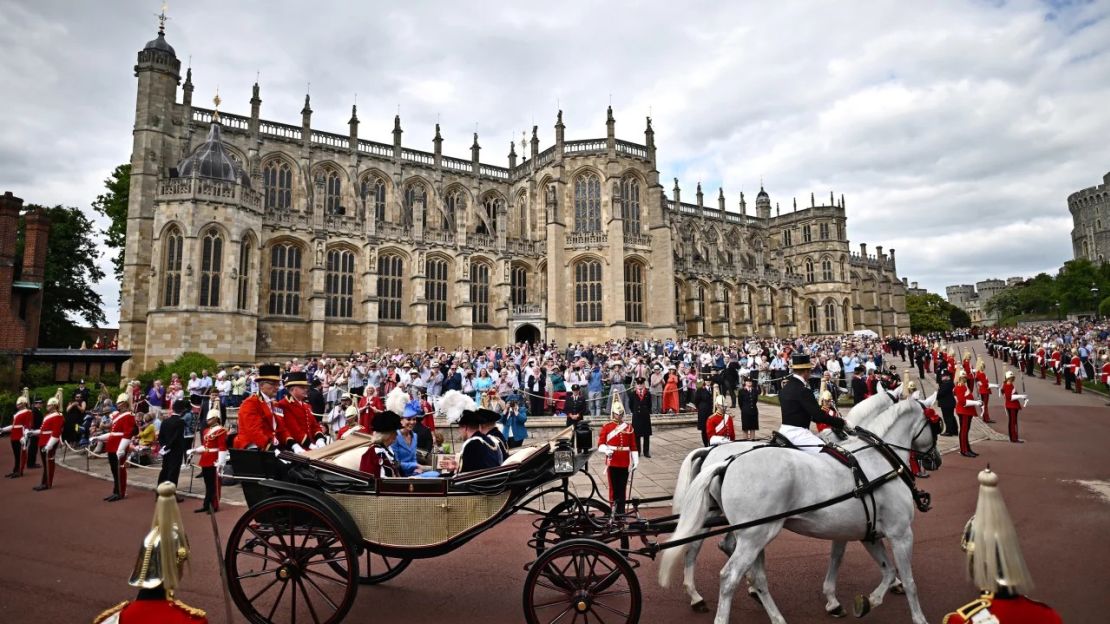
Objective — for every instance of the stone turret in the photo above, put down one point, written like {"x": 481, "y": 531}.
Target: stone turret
{"x": 763, "y": 204}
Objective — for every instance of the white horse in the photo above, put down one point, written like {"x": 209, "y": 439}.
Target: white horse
{"x": 771, "y": 481}
{"x": 862, "y": 415}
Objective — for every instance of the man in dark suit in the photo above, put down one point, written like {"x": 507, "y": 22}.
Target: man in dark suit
{"x": 171, "y": 439}
{"x": 576, "y": 406}
{"x": 859, "y": 386}
{"x": 316, "y": 400}
{"x": 639, "y": 405}
{"x": 800, "y": 408}
{"x": 730, "y": 379}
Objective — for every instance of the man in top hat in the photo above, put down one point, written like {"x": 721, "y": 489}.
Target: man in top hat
{"x": 996, "y": 566}
{"x": 213, "y": 456}
{"x": 617, "y": 441}
{"x": 116, "y": 443}
{"x": 21, "y": 425}
{"x": 299, "y": 428}
{"x": 1013, "y": 404}
{"x": 259, "y": 413}
{"x": 800, "y": 408}
{"x": 639, "y": 406}
{"x": 488, "y": 428}
{"x": 478, "y": 451}
{"x": 49, "y": 437}
{"x": 719, "y": 427}
{"x": 158, "y": 571}
{"x": 171, "y": 442}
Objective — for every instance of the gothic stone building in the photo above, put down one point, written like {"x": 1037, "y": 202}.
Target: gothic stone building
{"x": 249, "y": 239}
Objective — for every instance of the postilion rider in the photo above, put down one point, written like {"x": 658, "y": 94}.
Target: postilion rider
{"x": 617, "y": 441}
{"x": 800, "y": 408}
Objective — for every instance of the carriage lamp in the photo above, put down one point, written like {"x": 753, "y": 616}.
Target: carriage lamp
{"x": 564, "y": 459}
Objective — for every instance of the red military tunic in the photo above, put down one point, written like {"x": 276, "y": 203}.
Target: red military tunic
{"x": 963, "y": 395}
{"x": 967, "y": 367}
{"x": 213, "y": 442}
{"x": 1040, "y": 356}
{"x": 291, "y": 426}
{"x": 1016, "y": 610}
{"x": 1056, "y": 357}
{"x": 1077, "y": 367}
{"x": 1008, "y": 393}
{"x": 153, "y": 612}
{"x": 1105, "y": 372}
{"x": 720, "y": 425}
{"x": 52, "y": 428}
{"x": 123, "y": 427}
{"x": 984, "y": 384}
{"x": 831, "y": 411}
{"x": 622, "y": 439}
{"x": 257, "y": 423}
{"x": 21, "y": 422}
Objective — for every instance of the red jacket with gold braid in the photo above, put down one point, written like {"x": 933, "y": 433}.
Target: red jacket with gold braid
{"x": 52, "y": 428}
{"x": 22, "y": 421}
{"x": 1016, "y": 610}
{"x": 291, "y": 426}
{"x": 1008, "y": 393}
{"x": 721, "y": 425}
{"x": 622, "y": 439}
{"x": 984, "y": 384}
{"x": 123, "y": 427}
{"x": 144, "y": 611}
{"x": 256, "y": 423}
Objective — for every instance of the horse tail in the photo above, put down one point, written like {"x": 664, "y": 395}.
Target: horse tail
{"x": 695, "y": 507}
{"x": 686, "y": 473}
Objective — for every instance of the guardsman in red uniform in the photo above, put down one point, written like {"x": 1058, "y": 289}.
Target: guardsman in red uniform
{"x": 967, "y": 363}
{"x": 1056, "y": 359}
{"x": 213, "y": 456}
{"x": 116, "y": 443}
{"x": 1014, "y": 403}
{"x": 965, "y": 410}
{"x": 996, "y": 566}
{"x": 22, "y": 422}
{"x": 719, "y": 427}
{"x": 1105, "y": 369}
{"x": 298, "y": 429}
{"x": 158, "y": 571}
{"x": 984, "y": 388}
{"x": 50, "y": 436}
{"x": 617, "y": 441}
{"x": 257, "y": 417}
{"x": 1042, "y": 353}
{"x": 1079, "y": 372}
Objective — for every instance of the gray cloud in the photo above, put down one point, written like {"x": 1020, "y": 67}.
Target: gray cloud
{"x": 955, "y": 130}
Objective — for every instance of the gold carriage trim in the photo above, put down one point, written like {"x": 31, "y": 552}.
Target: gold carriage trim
{"x": 388, "y": 520}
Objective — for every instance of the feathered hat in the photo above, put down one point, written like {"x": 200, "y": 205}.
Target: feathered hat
{"x": 718, "y": 398}
{"x": 994, "y": 559}
{"x": 452, "y": 405}
{"x": 396, "y": 400}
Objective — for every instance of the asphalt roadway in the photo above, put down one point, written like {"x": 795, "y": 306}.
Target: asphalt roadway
{"x": 66, "y": 555}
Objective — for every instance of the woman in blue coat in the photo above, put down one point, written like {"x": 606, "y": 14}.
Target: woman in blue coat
{"x": 405, "y": 446}
{"x": 512, "y": 421}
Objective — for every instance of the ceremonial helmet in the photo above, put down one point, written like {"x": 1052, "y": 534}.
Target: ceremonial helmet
{"x": 980, "y": 365}
{"x": 826, "y": 397}
{"x": 165, "y": 548}
{"x": 718, "y": 398}
{"x": 961, "y": 374}
{"x": 616, "y": 410}
{"x": 1009, "y": 374}
{"x": 22, "y": 400}
{"x": 123, "y": 398}
{"x": 994, "y": 559}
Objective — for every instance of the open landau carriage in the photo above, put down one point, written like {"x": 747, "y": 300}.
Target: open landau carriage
{"x": 317, "y": 527}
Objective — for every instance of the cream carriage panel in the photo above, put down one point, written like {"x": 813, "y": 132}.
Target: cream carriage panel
{"x": 389, "y": 519}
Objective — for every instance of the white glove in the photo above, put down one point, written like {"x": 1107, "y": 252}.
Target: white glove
{"x": 51, "y": 444}
{"x": 993, "y": 385}
{"x": 162, "y": 452}
{"x": 298, "y": 449}
{"x": 277, "y": 452}
{"x": 103, "y": 437}
{"x": 1018, "y": 397}
{"x": 1025, "y": 403}
{"x": 635, "y": 460}
{"x": 605, "y": 449}
{"x": 974, "y": 403}
{"x": 189, "y": 453}
{"x": 714, "y": 440}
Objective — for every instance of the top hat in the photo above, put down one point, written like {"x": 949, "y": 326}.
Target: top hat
{"x": 180, "y": 406}
{"x": 195, "y": 400}
{"x": 269, "y": 372}
{"x": 296, "y": 378}
{"x": 471, "y": 418}
{"x": 800, "y": 361}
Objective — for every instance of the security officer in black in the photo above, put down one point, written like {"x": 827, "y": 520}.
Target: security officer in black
{"x": 171, "y": 439}
{"x": 800, "y": 408}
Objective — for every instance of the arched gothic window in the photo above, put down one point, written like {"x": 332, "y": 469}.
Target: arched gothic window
{"x": 244, "y": 285}
{"x": 812, "y": 309}
{"x": 211, "y": 263}
{"x": 824, "y": 231}
{"x": 633, "y": 292}
{"x": 807, "y": 234}
{"x": 339, "y": 284}
{"x": 679, "y": 317}
{"x": 826, "y": 270}
{"x": 454, "y": 206}
{"x": 413, "y": 194}
{"x": 285, "y": 280}
{"x": 727, "y": 302}
{"x": 809, "y": 270}
{"x": 277, "y": 184}
{"x": 333, "y": 194}
{"x": 587, "y": 291}
{"x": 522, "y": 209}
{"x": 490, "y": 209}
{"x": 630, "y": 204}
{"x": 830, "y": 317}
{"x": 171, "y": 267}
{"x": 699, "y": 303}
{"x": 519, "y": 285}
{"x": 390, "y": 286}
{"x": 587, "y": 203}
{"x": 373, "y": 193}
{"x": 435, "y": 290}
{"x": 479, "y": 293}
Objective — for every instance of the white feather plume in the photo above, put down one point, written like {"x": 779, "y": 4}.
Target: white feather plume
{"x": 396, "y": 400}
{"x": 453, "y": 403}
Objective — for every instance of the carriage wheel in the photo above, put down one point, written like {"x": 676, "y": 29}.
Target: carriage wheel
{"x": 570, "y": 519}
{"x": 378, "y": 568}
{"x": 581, "y": 580}
{"x": 288, "y": 561}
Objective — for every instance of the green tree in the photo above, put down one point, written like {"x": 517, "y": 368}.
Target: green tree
{"x": 71, "y": 272}
{"x": 928, "y": 313}
{"x": 1074, "y": 283}
{"x": 957, "y": 318}
{"x": 113, "y": 204}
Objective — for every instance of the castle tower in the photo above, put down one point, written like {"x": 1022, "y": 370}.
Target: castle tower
{"x": 158, "y": 72}
{"x": 763, "y": 204}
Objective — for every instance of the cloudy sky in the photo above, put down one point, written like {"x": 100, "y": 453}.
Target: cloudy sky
{"x": 956, "y": 130}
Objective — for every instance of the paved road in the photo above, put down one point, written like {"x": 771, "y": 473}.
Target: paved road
{"x": 76, "y": 551}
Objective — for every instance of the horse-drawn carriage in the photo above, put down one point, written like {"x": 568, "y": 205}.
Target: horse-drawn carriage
{"x": 316, "y": 529}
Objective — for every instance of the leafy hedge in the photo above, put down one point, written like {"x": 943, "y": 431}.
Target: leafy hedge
{"x": 188, "y": 362}
{"x": 7, "y": 398}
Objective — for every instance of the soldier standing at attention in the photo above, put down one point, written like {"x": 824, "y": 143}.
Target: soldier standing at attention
{"x": 617, "y": 441}
{"x": 116, "y": 443}
{"x": 213, "y": 456}
{"x": 49, "y": 436}
{"x": 21, "y": 424}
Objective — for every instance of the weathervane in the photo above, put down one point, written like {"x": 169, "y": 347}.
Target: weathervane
{"x": 162, "y": 19}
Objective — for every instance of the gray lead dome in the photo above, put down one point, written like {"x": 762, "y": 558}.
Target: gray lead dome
{"x": 211, "y": 160}
{"x": 159, "y": 43}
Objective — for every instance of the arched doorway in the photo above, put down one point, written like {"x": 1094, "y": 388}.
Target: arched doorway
{"x": 527, "y": 333}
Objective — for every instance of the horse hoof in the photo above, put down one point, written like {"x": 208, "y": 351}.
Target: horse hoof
{"x": 700, "y": 607}
{"x": 898, "y": 589}
{"x": 862, "y": 606}
{"x": 755, "y": 596}
{"x": 838, "y": 612}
